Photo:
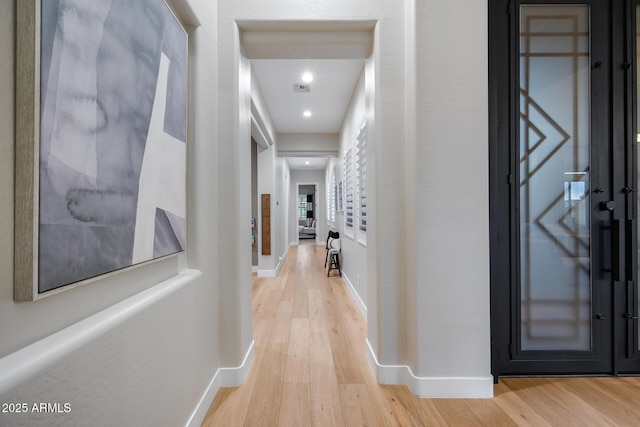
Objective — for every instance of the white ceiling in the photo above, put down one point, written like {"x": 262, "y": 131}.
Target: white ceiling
{"x": 311, "y": 163}
{"x": 331, "y": 91}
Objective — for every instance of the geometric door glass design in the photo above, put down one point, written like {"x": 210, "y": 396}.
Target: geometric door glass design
{"x": 555, "y": 230}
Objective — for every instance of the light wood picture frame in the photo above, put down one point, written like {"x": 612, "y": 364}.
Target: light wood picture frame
{"x": 101, "y": 140}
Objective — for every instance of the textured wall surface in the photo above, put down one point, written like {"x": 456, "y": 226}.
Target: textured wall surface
{"x": 451, "y": 229}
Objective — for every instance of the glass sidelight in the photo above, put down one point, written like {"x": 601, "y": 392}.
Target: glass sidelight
{"x": 554, "y": 178}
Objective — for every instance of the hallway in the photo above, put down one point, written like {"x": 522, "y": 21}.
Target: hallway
{"x": 310, "y": 369}
{"x": 307, "y": 364}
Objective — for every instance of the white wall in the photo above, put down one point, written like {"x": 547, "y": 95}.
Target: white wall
{"x": 234, "y": 186}
{"x": 411, "y": 165}
{"x": 141, "y": 347}
{"x": 283, "y": 200}
{"x": 266, "y": 185}
{"x": 301, "y": 144}
{"x": 448, "y": 315}
{"x": 273, "y": 179}
{"x": 261, "y": 111}
{"x": 354, "y": 253}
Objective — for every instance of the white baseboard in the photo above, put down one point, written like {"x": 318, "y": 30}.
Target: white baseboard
{"x": 254, "y": 268}
{"x": 269, "y": 273}
{"x": 224, "y": 377}
{"x": 273, "y": 273}
{"x": 430, "y": 387}
{"x": 354, "y": 295}
{"x": 293, "y": 244}
{"x": 266, "y": 273}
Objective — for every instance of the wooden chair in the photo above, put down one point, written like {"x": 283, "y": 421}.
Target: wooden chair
{"x": 332, "y": 235}
{"x": 333, "y": 256}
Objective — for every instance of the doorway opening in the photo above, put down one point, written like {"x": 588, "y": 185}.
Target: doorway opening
{"x": 308, "y": 99}
{"x": 307, "y": 213}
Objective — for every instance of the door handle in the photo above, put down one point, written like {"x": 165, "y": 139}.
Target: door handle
{"x": 615, "y": 250}
{"x": 608, "y": 205}
{"x": 610, "y": 244}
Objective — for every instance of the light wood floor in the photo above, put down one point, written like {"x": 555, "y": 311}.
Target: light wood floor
{"x": 310, "y": 369}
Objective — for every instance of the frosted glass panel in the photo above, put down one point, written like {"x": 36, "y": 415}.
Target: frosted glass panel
{"x": 555, "y": 234}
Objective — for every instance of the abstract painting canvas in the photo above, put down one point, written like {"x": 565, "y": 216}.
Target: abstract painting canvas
{"x": 111, "y": 139}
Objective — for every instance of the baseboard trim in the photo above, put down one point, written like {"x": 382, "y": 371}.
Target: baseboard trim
{"x": 224, "y": 377}
{"x": 267, "y": 273}
{"x": 354, "y": 295}
{"x": 431, "y": 387}
{"x": 273, "y": 273}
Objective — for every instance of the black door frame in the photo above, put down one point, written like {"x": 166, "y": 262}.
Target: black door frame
{"x": 613, "y": 143}
{"x": 625, "y": 130}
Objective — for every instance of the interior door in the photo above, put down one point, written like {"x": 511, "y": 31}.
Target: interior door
{"x": 563, "y": 133}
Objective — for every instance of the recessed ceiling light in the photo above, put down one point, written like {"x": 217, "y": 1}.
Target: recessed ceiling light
{"x": 307, "y": 113}
{"x": 307, "y": 162}
{"x": 307, "y": 77}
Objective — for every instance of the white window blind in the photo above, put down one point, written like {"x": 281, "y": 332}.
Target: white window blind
{"x": 361, "y": 175}
{"x": 349, "y": 189}
{"x": 333, "y": 191}
{"x": 327, "y": 184}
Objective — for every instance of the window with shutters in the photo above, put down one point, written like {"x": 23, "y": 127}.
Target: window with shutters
{"x": 348, "y": 194}
{"x": 361, "y": 183}
{"x": 332, "y": 195}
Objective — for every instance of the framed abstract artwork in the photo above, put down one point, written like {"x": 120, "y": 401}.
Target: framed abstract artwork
{"x": 101, "y": 140}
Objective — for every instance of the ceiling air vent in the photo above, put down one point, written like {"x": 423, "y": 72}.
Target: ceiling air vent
{"x": 301, "y": 88}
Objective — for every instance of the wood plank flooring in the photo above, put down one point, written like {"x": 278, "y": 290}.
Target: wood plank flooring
{"x": 310, "y": 369}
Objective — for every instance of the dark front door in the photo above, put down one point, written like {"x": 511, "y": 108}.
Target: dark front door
{"x": 564, "y": 180}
